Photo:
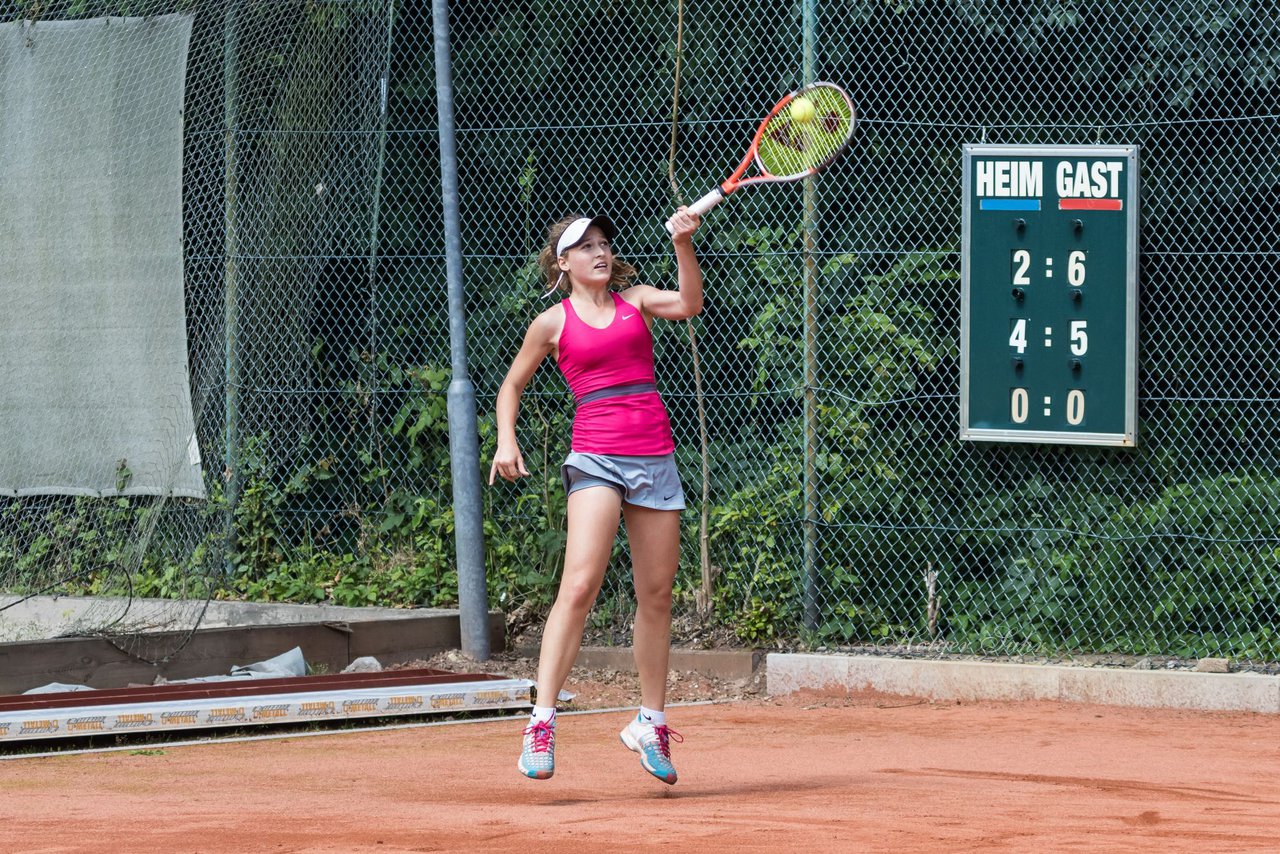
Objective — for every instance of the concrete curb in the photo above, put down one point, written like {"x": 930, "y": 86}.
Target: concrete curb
{"x": 42, "y": 617}
{"x": 787, "y": 673}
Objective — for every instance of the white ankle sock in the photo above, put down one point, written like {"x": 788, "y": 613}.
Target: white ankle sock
{"x": 543, "y": 713}
{"x": 649, "y": 716}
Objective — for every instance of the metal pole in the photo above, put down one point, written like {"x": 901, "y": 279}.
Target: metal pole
{"x": 811, "y": 496}
{"x": 231, "y": 277}
{"x": 375, "y": 228}
{"x": 464, "y": 444}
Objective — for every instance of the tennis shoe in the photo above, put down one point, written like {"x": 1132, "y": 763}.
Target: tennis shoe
{"x": 538, "y": 759}
{"x": 653, "y": 743}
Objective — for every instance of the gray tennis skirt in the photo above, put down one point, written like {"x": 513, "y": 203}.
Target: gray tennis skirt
{"x": 651, "y": 482}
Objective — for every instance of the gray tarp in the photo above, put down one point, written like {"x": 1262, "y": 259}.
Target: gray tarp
{"x": 94, "y": 387}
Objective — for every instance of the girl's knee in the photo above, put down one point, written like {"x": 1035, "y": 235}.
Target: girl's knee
{"x": 655, "y": 597}
{"x": 577, "y": 596}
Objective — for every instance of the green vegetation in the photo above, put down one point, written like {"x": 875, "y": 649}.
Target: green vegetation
{"x": 343, "y": 488}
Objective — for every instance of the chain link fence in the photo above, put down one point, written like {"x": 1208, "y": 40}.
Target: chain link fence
{"x": 832, "y": 501}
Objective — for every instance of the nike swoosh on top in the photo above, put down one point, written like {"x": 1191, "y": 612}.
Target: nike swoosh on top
{"x": 627, "y": 316}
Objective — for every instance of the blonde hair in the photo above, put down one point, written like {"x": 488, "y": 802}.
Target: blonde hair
{"x": 554, "y": 278}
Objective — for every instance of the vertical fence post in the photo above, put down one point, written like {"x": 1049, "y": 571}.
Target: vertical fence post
{"x": 812, "y": 507}
{"x": 375, "y": 239}
{"x": 231, "y": 277}
{"x": 464, "y": 444}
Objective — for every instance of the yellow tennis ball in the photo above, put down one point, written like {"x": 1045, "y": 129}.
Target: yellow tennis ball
{"x": 802, "y": 110}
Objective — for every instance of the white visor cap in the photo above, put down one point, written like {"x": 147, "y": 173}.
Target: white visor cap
{"x": 573, "y": 235}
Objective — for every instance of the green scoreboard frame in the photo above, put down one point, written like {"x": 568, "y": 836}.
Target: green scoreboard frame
{"x": 1049, "y": 294}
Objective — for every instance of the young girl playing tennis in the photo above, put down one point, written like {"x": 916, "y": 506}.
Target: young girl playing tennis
{"x": 621, "y": 464}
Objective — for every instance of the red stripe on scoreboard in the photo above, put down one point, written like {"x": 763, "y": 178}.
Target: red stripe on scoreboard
{"x": 1090, "y": 204}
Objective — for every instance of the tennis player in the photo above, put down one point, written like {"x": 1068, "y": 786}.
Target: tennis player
{"x": 621, "y": 464}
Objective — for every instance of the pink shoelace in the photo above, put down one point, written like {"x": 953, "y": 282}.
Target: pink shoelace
{"x": 543, "y": 735}
{"x": 665, "y": 736}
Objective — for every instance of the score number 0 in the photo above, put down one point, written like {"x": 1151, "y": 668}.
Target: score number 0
{"x": 1019, "y": 400}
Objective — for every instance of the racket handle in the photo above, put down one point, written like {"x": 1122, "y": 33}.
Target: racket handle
{"x": 704, "y": 204}
{"x": 707, "y": 202}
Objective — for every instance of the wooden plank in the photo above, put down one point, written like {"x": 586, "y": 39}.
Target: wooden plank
{"x": 325, "y": 646}
{"x": 76, "y": 661}
{"x": 99, "y": 664}
{"x": 216, "y": 651}
{"x": 396, "y": 641}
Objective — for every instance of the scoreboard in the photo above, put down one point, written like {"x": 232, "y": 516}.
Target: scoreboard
{"x": 1049, "y": 294}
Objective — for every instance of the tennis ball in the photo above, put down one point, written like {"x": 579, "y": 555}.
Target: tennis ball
{"x": 802, "y": 110}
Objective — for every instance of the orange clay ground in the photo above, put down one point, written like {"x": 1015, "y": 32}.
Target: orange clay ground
{"x": 812, "y": 773}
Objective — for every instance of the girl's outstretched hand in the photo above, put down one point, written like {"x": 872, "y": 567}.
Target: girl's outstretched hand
{"x": 507, "y": 464}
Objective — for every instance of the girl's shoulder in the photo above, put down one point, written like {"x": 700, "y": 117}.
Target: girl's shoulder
{"x": 551, "y": 312}
{"x": 550, "y": 321}
{"x": 634, "y": 293}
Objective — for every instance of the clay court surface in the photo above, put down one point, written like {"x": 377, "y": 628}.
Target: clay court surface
{"x": 808, "y": 773}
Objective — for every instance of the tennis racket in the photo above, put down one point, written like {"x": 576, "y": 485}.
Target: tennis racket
{"x": 803, "y": 134}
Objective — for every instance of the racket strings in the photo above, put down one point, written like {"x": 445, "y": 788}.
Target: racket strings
{"x": 791, "y": 145}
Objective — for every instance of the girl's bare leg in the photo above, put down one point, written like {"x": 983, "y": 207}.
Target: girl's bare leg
{"x": 592, "y": 528}
{"x": 654, "y": 537}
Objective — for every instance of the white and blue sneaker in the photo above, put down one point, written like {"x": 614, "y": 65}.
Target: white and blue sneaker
{"x": 538, "y": 758}
{"x": 653, "y": 743}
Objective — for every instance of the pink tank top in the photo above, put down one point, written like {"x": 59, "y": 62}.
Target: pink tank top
{"x": 610, "y": 372}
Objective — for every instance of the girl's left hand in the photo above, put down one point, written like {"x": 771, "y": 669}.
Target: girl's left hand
{"x": 683, "y": 224}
